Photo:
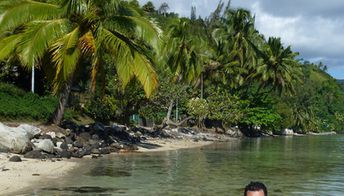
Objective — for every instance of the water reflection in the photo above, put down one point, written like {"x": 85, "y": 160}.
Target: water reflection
{"x": 288, "y": 166}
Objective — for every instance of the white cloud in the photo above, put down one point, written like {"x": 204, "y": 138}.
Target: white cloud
{"x": 312, "y": 27}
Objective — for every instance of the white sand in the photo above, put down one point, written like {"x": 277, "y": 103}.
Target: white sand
{"x": 19, "y": 175}
{"x": 172, "y": 144}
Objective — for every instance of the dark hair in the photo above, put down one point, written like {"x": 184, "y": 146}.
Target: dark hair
{"x": 256, "y": 186}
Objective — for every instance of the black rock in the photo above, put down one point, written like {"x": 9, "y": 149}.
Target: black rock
{"x": 95, "y": 151}
{"x": 104, "y": 151}
{"x": 130, "y": 147}
{"x": 55, "y": 140}
{"x": 45, "y": 136}
{"x": 65, "y": 154}
{"x": 95, "y": 145}
{"x": 116, "y": 145}
{"x": 81, "y": 153}
{"x": 78, "y": 144}
{"x": 112, "y": 149}
{"x": 87, "y": 150}
{"x": 69, "y": 125}
{"x": 68, "y": 140}
{"x": 103, "y": 145}
{"x": 64, "y": 146}
{"x": 85, "y": 136}
{"x": 15, "y": 159}
{"x": 95, "y": 137}
{"x": 98, "y": 127}
{"x": 35, "y": 154}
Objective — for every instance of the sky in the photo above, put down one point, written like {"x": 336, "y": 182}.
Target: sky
{"x": 314, "y": 28}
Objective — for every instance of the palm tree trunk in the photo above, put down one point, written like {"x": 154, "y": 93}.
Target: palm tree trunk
{"x": 63, "y": 100}
{"x": 169, "y": 112}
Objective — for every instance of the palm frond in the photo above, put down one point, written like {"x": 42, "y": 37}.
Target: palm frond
{"x": 147, "y": 30}
{"x": 65, "y": 55}
{"x": 9, "y": 45}
{"x": 129, "y": 60}
{"x": 26, "y": 11}
{"x": 37, "y": 38}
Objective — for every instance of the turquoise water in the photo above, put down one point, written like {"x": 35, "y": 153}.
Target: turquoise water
{"x": 288, "y": 166}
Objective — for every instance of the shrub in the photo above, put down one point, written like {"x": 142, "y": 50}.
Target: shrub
{"x": 16, "y": 104}
{"x": 102, "y": 109}
{"x": 199, "y": 109}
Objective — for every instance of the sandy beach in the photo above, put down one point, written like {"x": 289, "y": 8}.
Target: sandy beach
{"x": 15, "y": 176}
{"x": 172, "y": 144}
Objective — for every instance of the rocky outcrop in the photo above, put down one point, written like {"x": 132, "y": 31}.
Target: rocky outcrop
{"x": 94, "y": 140}
{"x": 287, "y": 132}
{"x": 15, "y": 158}
{"x": 17, "y": 139}
{"x": 45, "y": 145}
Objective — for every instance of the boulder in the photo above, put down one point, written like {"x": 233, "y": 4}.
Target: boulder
{"x": 95, "y": 151}
{"x": 45, "y": 145}
{"x": 78, "y": 144}
{"x": 64, "y": 146}
{"x": 65, "y": 154}
{"x": 35, "y": 154}
{"x": 29, "y": 130}
{"x": 15, "y": 159}
{"x": 287, "y": 132}
{"x": 51, "y": 134}
{"x": 83, "y": 138}
{"x": 46, "y": 136}
{"x": 234, "y": 132}
{"x": 60, "y": 135}
{"x": 17, "y": 139}
{"x": 68, "y": 140}
{"x": 105, "y": 151}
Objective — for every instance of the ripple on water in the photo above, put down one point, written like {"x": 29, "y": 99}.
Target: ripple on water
{"x": 85, "y": 189}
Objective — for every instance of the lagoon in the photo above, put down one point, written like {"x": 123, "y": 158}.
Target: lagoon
{"x": 310, "y": 165}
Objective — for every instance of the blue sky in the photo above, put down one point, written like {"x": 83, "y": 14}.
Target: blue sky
{"x": 314, "y": 28}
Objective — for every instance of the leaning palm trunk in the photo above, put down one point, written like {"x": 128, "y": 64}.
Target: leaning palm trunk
{"x": 63, "y": 100}
{"x": 169, "y": 112}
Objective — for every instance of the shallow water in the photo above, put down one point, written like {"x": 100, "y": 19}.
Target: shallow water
{"x": 288, "y": 166}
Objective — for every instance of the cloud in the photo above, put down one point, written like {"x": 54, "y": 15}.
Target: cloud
{"x": 183, "y": 7}
{"x": 314, "y": 28}
{"x": 318, "y": 37}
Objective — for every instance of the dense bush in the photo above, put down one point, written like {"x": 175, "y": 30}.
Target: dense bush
{"x": 102, "y": 109}
{"x": 20, "y": 105}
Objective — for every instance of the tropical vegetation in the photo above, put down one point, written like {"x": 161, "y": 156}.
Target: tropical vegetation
{"x": 113, "y": 60}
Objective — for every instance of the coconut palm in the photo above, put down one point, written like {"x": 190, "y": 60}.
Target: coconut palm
{"x": 182, "y": 51}
{"x": 233, "y": 41}
{"x": 79, "y": 29}
{"x": 279, "y": 69}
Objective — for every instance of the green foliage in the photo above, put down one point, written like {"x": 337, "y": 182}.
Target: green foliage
{"x": 249, "y": 81}
{"x": 199, "y": 109}
{"x": 260, "y": 117}
{"x": 102, "y": 109}
{"x": 16, "y": 104}
{"x": 224, "y": 107}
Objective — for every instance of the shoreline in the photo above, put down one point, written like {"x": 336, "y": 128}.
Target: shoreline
{"x": 162, "y": 145}
{"x": 18, "y": 176}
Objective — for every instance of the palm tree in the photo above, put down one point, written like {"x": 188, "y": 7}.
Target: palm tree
{"x": 233, "y": 38}
{"x": 80, "y": 29}
{"x": 164, "y": 7}
{"x": 183, "y": 54}
{"x": 279, "y": 69}
{"x": 182, "y": 51}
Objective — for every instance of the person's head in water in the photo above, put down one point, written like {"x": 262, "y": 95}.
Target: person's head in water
{"x": 256, "y": 189}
